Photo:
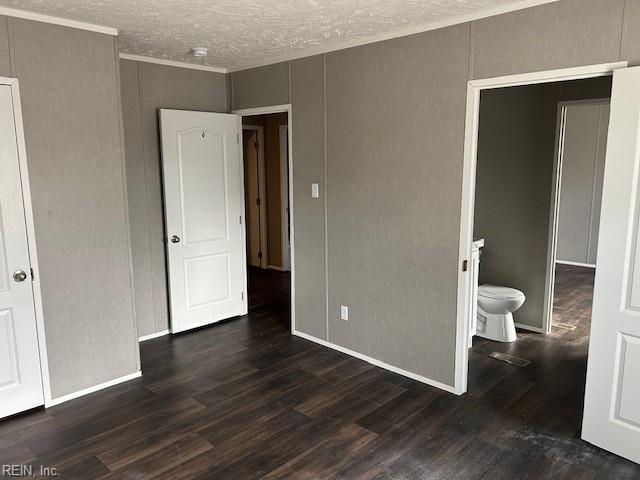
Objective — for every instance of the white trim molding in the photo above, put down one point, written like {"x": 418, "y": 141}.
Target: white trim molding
{"x": 474, "y": 89}
{"x": 95, "y": 388}
{"x": 144, "y": 338}
{"x": 377, "y": 363}
{"x": 64, "y": 22}
{"x": 171, "y": 63}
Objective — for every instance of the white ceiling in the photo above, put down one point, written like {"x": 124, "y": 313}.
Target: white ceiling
{"x": 242, "y": 33}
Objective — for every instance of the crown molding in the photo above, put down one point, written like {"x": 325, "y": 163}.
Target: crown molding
{"x": 172, "y": 63}
{"x": 65, "y": 22}
{"x": 402, "y": 32}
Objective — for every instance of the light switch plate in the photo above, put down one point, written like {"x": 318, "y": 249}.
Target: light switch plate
{"x": 344, "y": 312}
{"x": 315, "y": 190}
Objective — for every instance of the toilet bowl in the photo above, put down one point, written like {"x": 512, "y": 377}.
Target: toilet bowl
{"x": 495, "y": 312}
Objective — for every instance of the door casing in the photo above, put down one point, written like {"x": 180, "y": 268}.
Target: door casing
{"x": 474, "y": 89}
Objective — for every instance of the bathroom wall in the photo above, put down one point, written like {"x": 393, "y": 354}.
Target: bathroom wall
{"x": 147, "y": 87}
{"x": 69, "y": 89}
{"x": 585, "y": 143}
{"x": 513, "y": 190}
{"x": 516, "y": 150}
{"x": 381, "y": 128}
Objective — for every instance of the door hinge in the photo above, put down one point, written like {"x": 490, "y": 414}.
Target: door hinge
{"x": 260, "y": 255}
{"x": 258, "y": 201}
{"x": 465, "y": 265}
{"x": 237, "y": 138}
{"x": 33, "y": 276}
{"x": 240, "y": 218}
{"x": 242, "y": 296}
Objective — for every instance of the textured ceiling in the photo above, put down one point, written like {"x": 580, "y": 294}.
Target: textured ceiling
{"x": 240, "y": 33}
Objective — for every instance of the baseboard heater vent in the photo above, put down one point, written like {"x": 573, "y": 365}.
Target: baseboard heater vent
{"x": 510, "y": 359}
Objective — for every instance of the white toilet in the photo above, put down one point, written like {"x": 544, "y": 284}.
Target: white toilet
{"x": 495, "y": 312}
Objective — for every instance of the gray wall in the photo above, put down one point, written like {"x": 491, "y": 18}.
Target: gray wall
{"x": 147, "y": 87}
{"x": 391, "y": 209}
{"x": 585, "y": 143}
{"x": 513, "y": 190}
{"x": 71, "y": 110}
{"x": 402, "y": 141}
{"x": 514, "y": 185}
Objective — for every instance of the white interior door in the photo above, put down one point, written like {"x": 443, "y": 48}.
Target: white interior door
{"x": 204, "y": 205}
{"x": 612, "y": 397}
{"x": 20, "y": 376}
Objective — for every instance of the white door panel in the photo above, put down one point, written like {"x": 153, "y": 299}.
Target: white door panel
{"x": 203, "y": 189}
{"x": 20, "y": 376}
{"x": 612, "y": 397}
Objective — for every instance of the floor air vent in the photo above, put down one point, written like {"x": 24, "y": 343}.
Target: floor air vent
{"x": 510, "y": 359}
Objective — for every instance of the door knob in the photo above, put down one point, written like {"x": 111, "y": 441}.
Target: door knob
{"x": 19, "y": 275}
{"x": 175, "y": 239}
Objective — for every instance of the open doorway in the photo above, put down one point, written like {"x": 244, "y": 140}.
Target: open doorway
{"x": 581, "y": 148}
{"x": 268, "y": 233}
{"x": 538, "y": 185}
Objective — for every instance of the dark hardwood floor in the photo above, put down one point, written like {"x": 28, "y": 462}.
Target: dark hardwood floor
{"x": 244, "y": 399}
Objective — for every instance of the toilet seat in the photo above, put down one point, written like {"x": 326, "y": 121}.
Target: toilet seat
{"x": 499, "y": 293}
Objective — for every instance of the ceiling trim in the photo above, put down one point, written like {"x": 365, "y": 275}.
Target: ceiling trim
{"x": 65, "y": 22}
{"x": 172, "y": 63}
{"x": 402, "y": 32}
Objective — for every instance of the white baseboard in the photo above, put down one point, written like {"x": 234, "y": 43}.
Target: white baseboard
{"x": 576, "y": 264}
{"x": 95, "y": 388}
{"x": 273, "y": 267}
{"x": 378, "y": 363}
{"x": 153, "y": 335}
{"x": 530, "y": 328}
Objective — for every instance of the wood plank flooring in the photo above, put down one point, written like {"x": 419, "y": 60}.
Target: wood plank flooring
{"x": 245, "y": 399}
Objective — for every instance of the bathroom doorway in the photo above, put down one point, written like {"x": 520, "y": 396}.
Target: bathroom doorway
{"x": 533, "y": 315}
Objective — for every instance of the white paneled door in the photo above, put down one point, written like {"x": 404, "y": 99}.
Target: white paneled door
{"x": 204, "y": 213}
{"x": 612, "y": 397}
{"x": 20, "y": 375}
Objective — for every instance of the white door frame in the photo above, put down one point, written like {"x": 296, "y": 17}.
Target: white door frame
{"x": 555, "y": 208}
{"x": 31, "y": 236}
{"x": 283, "y": 131}
{"x": 285, "y": 108}
{"x": 474, "y": 89}
{"x": 264, "y": 244}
